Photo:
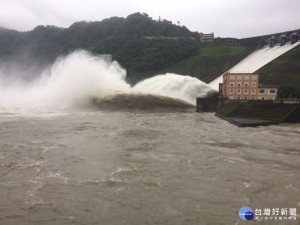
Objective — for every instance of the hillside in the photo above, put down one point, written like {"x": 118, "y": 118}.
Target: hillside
{"x": 126, "y": 39}
{"x": 211, "y": 58}
{"x": 284, "y": 72}
{"x": 144, "y": 47}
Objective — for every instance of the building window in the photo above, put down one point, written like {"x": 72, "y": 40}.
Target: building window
{"x": 246, "y": 85}
{"x": 239, "y": 91}
{"x": 231, "y": 85}
{"x": 231, "y": 91}
{"x": 262, "y": 91}
{"x": 253, "y": 85}
{"x": 272, "y": 91}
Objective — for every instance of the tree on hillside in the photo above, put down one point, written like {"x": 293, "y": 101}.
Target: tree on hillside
{"x": 123, "y": 38}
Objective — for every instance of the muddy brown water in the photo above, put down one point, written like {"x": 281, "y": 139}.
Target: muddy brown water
{"x": 143, "y": 168}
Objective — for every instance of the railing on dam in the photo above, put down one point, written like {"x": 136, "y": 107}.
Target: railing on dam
{"x": 212, "y": 104}
{"x": 266, "y": 102}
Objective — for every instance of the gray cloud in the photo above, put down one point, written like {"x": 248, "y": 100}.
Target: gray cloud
{"x": 234, "y": 18}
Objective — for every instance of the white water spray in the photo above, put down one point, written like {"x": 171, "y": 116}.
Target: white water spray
{"x": 173, "y": 85}
{"x": 71, "y": 80}
{"x": 68, "y": 83}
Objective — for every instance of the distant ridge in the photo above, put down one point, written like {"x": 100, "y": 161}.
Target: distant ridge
{"x": 123, "y": 38}
{"x": 127, "y": 40}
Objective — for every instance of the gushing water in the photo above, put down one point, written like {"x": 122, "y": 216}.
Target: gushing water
{"x": 71, "y": 80}
{"x": 98, "y": 167}
{"x": 68, "y": 83}
{"x": 176, "y": 86}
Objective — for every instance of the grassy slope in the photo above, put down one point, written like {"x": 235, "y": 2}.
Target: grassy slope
{"x": 213, "y": 58}
{"x": 257, "y": 111}
{"x": 285, "y": 70}
{"x": 210, "y": 59}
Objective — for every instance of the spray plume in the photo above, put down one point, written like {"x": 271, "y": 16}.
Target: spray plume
{"x": 72, "y": 80}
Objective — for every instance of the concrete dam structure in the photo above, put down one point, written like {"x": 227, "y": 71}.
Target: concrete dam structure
{"x": 259, "y": 58}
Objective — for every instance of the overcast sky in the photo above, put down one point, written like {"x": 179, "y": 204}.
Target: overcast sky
{"x": 226, "y": 18}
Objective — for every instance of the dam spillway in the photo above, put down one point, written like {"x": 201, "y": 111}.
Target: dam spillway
{"x": 255, "y": 61}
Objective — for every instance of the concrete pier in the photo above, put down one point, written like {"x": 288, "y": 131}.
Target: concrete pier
{"x": 259, "y": 113}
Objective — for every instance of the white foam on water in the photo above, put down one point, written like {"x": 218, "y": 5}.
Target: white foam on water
{"x": 68, "y": 83}
{"x": 71, "y": 80}
{"x": 176, "y": 86}
{"x": 255, "y": 61}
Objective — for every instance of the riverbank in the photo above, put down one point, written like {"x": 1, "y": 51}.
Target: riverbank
{"x": 259, "y": 113}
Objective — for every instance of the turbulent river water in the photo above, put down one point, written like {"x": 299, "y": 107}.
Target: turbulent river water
{"x": 142, "y": 168}
{"x": 66, "y": 160}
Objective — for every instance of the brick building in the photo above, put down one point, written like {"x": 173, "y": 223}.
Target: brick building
{"x": 246, "y": 86}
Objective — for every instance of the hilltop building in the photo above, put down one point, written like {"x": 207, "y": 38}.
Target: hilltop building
{"x": 206, "y": 37}
{"x": 246, "y": 86}
{"x": 227, "y": 41}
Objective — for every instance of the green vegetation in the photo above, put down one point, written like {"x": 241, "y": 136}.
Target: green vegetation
{"x": 211, "y": 59}
{"x": 284, "y": 72}
{"x": 273, "y": 112}
{"x": 143, "y": 57}
{"x": 228, "y": 108}
{"x": 139, "y": 43}
{"x": 145, "y": 47}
